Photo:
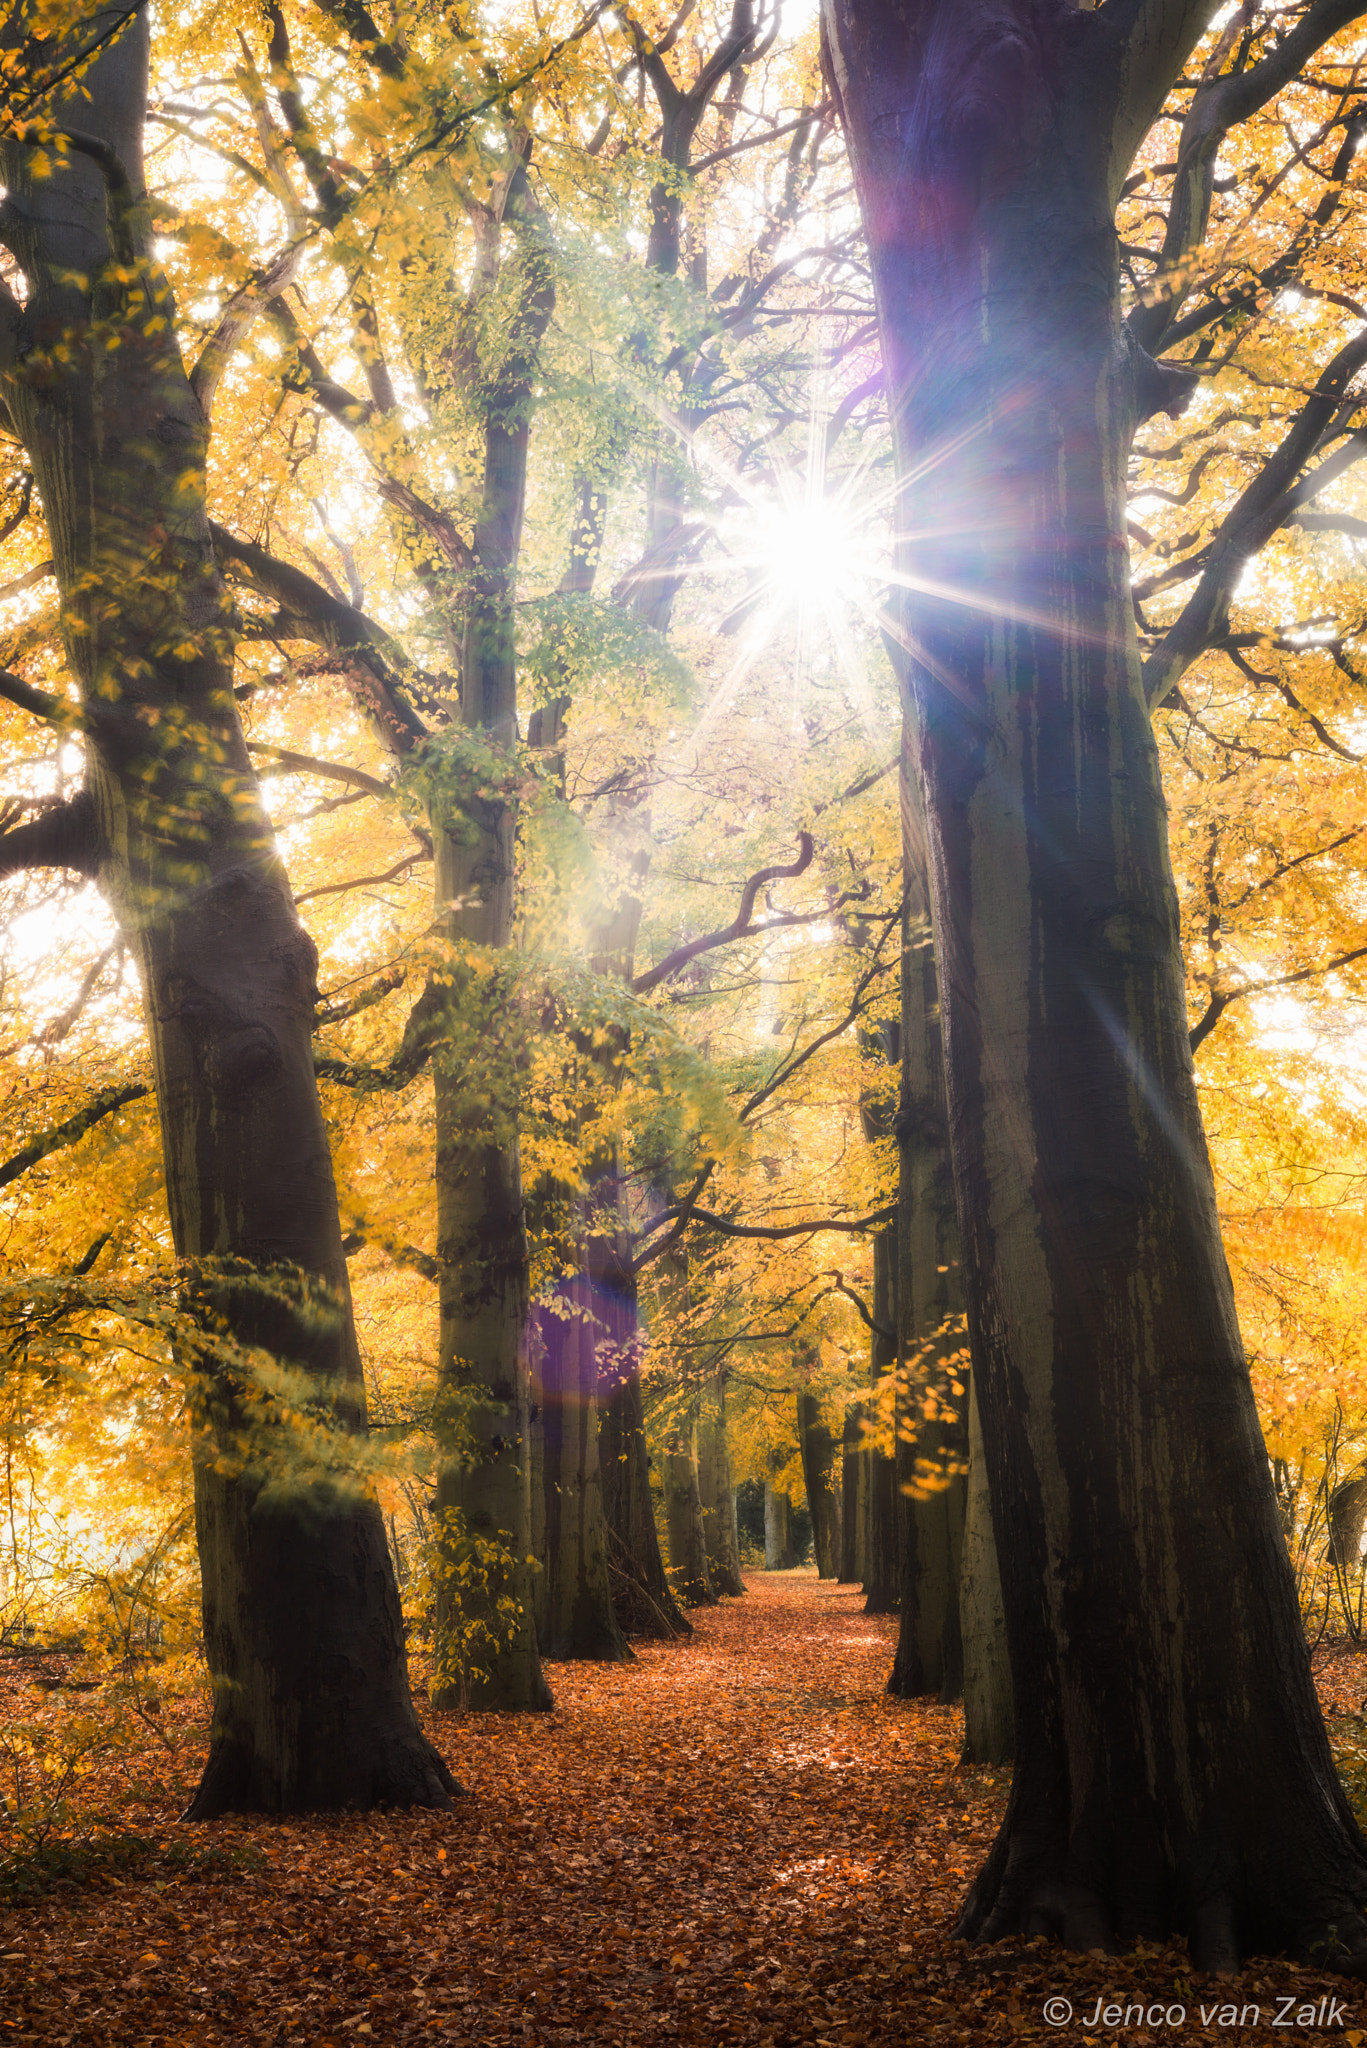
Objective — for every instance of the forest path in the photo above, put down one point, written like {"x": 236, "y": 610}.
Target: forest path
{"x": 736, "y": 1839}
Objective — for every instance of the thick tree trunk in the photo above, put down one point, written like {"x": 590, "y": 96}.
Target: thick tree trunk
{"x": 575, "y": 1617}
{"x": 882, "y": 1562}
{"x": 989, "y": 1703}
{"x": 302, "y": 1618}
{"x": 854, "y": 1463}
{"x": 930, "y": 1647}
{"x": 485, "y": 1624}
{"x": 642, "y": 1598}
{"x": 1173, "y": 1773}
{"x": 688, "y": 1567}
{"x": 817, "y": 1444}
{"x": 779, "y": 1554}
{"x": 536, "y": 1489}
{"x": 718, "y": 1495}
{"x": 301, "y": 1614}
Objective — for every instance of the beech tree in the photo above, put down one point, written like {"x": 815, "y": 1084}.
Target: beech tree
{"x": 1173, "y": 1773}
{"x": 301, "y": 1614}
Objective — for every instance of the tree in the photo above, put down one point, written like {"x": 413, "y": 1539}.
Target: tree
{"x": 816, "y": 1442}
{"x": 301, "y": 1615}
{"x": 718, "y": 1495}
{"x": 688, "y": 1560}
{"x": 780, "y": 1554}
{"x": 931, "y": 1450}
{"x": 1172, "y": 1767}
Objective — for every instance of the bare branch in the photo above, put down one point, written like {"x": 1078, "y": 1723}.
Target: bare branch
{"x": 739, "y": 925}
{"x": 1142, "y": 45}
{"x": 1221, "y": 1000}
{"x": 359, "y": 23}
{"x": 839, "y": 1287}
{"x": 729, "y": 1228}
{"x": 121, "y": 205}
{"x": 331, "y": 771}
{"x": 400, "y": 867}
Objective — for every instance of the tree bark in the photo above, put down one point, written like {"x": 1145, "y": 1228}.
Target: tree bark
{"x": 779, "y": 1554}
{"x": 882, "y": 1564}
{"x": 688, "y": 1567}
{"x": 1173, "y": 1773}
{"x": 989, "y": 1703}
{"x": 854, "y": 1461}
{"x": 718, "y": 1495}
{"x": 642, "y": 1597}
{"x": 481, "y": 1226}
{"x": 817, "y": 1444}
{"x": 301, "y": 1614}
{"x": 575, "y": 1614}
{"x": 930, "y": 1646}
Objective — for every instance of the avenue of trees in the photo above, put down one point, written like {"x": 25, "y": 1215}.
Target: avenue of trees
{"x": 682, "y": 713}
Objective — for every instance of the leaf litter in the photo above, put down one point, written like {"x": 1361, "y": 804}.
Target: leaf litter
{"x": 738, "y": 1838}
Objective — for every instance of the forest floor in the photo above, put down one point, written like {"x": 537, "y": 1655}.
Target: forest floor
{"x": 736, "y": 1839}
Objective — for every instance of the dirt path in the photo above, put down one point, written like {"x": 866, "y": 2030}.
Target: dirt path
{"x": 737, "y": 1839}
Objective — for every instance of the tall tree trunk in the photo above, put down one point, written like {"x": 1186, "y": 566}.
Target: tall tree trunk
{"x": 882, "y": 1572}
{"x": 688, "y": 1567}
{"x": 642, "y": 1596}
{"x": 481, "y": 1231}
{"x": 817, "y": 1444}
{"x": 930, "y": 1649}
{"x": 779, "y": 1554}
{"x": 989, "y": 1703}
{"x": 301, "y": 1613}
{"x": 718, "y": 1495}
{"x": 536, "y": 1488}
{"x": 1173, "y": 1773}
{"x": 854, "y": 1465}
{"x": 614, "y": 1482}
{"x": 575, "y": 1615}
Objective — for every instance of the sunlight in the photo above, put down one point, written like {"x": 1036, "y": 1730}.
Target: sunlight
{"x": 810, "y": 555}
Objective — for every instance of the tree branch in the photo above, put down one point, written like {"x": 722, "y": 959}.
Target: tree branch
{"x": 39, "y": 703}
{"x": 728, "y": 1228}
{"x": 1219, "y": 1003}
{"x": 17, "y": 585}
{"x": 120, "y": 202}
{"x": 1144, "y": 44}
{"x": 739, "y": 925}
{"x": 236, "y": 321}
{"x": 74, "y": 1128}
{"x": 312, "y": 613}
{"x": 62, "y": 835}
{"x": 407, "y": 1255}
{"x": 359, "y": 23}
{"x": 400, "y": 867}
{"x": 422, "y": 1034}
{"x": 354, "y": 413}
{"x": 1220, "y": 104}
{"x": 1269, "y": 501}
{"x": 332, "y": 771}
{"x": 878, "y": 1329}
